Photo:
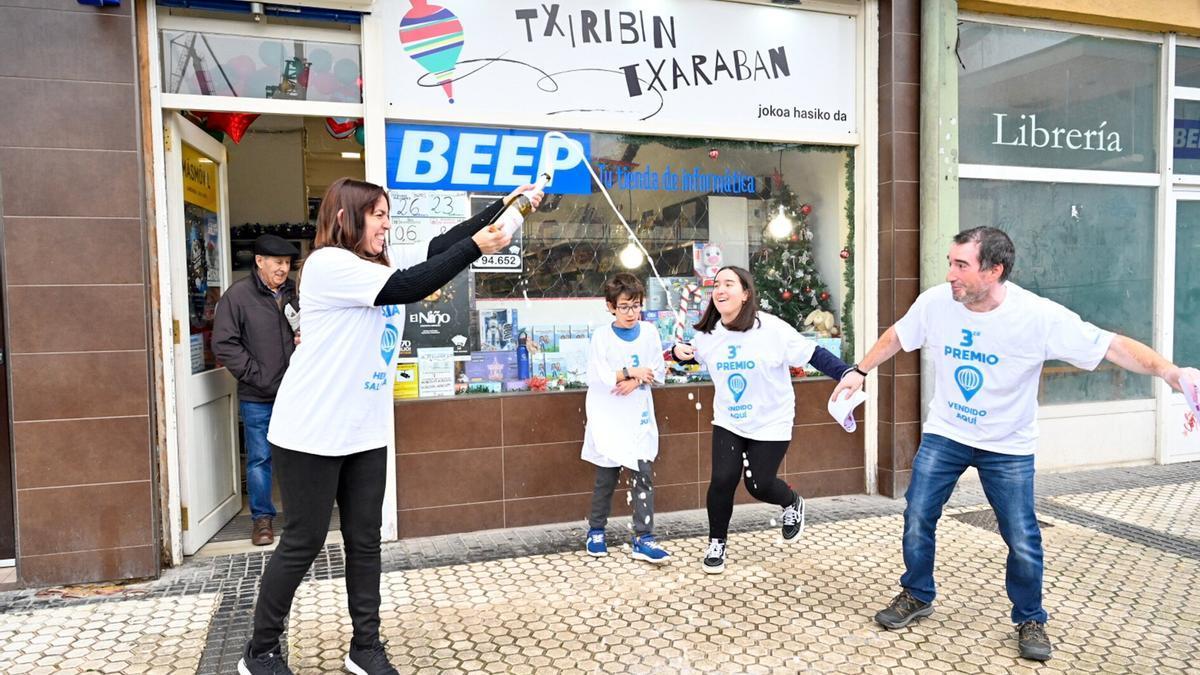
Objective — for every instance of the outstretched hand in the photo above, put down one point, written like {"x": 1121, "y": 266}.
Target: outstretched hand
{"x": 1174, "y": 376}
{"x": 531, "y": 191}
{"x": 850, "y": 383}
{"x": 491, "y": 239}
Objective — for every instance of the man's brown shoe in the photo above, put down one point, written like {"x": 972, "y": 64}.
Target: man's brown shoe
{"x": 262, "y": 534}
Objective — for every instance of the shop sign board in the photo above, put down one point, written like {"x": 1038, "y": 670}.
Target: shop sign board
{"x": 484, "y": 159}
{"x": 680, "y": 67}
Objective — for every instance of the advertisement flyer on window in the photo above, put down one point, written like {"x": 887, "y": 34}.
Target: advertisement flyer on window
{"x": 443, "y": 318}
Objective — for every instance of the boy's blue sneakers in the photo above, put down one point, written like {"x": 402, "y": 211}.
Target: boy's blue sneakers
{"x": 646, "y": 548}
{"x": 596, "y": 546}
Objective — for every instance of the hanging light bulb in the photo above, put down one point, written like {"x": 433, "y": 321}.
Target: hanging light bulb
{"x": 631, "y": 256}
{"x": 780, "y": 226}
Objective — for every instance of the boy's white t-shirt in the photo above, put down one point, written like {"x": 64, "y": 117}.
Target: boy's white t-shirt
{"x": 988, "y": 364}
{"x": 753, "y": 386}
{"x": 336, "y": 396}
{"x": 621, "y": 430}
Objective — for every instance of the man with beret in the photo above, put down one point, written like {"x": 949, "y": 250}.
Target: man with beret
{"x": 253, "y": 337}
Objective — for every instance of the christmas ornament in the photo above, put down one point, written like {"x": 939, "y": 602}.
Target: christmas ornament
{"x": 433, "y": 37}
{"x": 808, "y": 290}
{"x": 794, "y": 237}
{"x": 845, "y": 254}
{"x": 786, "y": 295}
{"x": 824, "y": 296}
{"x": 714, "y": 153}
{"x": 805, "y": 209}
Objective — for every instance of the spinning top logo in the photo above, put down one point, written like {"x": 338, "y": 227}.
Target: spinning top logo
{"x": 433, "y": 37}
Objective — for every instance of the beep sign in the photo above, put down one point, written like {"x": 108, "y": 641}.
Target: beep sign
{"x": 481, "y": 159}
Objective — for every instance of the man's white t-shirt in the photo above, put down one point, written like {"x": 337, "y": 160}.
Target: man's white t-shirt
{"x": 336, "y": 396}
{"x": 621, "y": 430}
{"x": 753, "y": 387}
{"x": 988, "y": 364}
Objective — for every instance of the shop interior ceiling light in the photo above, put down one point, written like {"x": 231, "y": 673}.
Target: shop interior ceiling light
{"x": 780, "y": 226}
{"x": 631, "y": 257}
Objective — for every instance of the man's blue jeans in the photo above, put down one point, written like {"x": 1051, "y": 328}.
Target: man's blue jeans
{"x": 1008, "y": 483}
{"x": 256, "y": 417}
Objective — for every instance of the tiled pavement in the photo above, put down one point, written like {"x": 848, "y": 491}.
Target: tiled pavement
{"x": 1122, "y": 586}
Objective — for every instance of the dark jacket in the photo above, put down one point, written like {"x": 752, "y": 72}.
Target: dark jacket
{"x": 252, "y": 337}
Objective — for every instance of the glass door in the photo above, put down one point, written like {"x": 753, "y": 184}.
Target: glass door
{"x": 206, "y": 393}
{"x": 1183, "y": 430}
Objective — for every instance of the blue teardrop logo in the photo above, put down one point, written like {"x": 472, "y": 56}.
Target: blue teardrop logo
{"x": 969, "y": 380}
{"x": 737, "y": 386}
{"x": 387, "y": 343}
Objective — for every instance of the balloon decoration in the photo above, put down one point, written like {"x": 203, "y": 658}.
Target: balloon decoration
{"x": 229, "y": 124}
{"x": 433, "y": 37}
{"x": 342, "y": 127}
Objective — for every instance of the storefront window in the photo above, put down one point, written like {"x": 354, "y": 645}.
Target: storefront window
{"x": 1088, "y": 247}
{"x": 212, "y": 64}
{"x": 1042, "y": 98}
{"x": 1187, "y": 137}
{"x": 522, "y": 320}
{"x": 1187, "y": 283}
{"x": 1187, "y": 66}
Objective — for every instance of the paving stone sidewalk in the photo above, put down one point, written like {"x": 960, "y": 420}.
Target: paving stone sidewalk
{"x": 1122, "y": 587}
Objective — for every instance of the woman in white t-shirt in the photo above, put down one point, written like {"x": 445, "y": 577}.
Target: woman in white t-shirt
{"x": 330, "y": 424}
{"x": 748, "y": 354}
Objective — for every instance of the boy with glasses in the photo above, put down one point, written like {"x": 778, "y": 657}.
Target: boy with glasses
{"x": 624, "y": 359}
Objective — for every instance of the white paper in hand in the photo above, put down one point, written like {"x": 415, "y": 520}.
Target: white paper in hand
{"x": 842, "y": 409}
{"x": 1191, "y": 393}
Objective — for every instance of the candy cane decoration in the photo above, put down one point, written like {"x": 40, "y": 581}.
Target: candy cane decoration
{"x": 687, "y": 294}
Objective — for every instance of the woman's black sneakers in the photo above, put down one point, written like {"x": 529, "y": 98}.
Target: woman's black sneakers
{"x": 793, "y": 518}
{"x": 714, "y": 557}
{"x": 371, "y": 660}
{"x": 271, "y": 663}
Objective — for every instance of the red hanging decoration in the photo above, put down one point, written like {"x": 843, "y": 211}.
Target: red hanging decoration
{"x": 807, "y": 290}
{"x": 806, "y": 209}
{"x": 342, "y": 127}
{"x": 786, "y": 295}
{"x": 845, "y": 254}
{"x": 233, "y": 125}
{"x": 824, "y": 296}
{"x": 714, "y": 153}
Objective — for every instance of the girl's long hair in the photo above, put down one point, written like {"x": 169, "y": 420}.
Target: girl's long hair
{"x": 746, "y": 319}
{"x": 355, "y": 199}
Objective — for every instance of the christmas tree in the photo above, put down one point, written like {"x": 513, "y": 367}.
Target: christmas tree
{"x": 784, "y": 268}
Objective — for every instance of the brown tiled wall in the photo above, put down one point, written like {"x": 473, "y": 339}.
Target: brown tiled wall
{"x": 73, "y": 251}
{"x": 899, "y": 233}
{"x": 508, "y": 461}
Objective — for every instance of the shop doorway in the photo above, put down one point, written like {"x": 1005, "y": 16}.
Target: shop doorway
{"x": 270, "y": 182}
{"x": 205, "y": 393}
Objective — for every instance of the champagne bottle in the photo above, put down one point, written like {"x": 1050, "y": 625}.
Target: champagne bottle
{"x": 513, "y": 215}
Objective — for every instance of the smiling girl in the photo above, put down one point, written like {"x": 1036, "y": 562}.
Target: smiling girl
{"x": 748, "y": 353}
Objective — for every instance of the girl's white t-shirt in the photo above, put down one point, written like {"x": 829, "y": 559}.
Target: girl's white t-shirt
{"x": 988, "y": 364}
{"x": 621, "y": 430}
{"x": 753, "y": 386}
{"x": 336, "y": 396}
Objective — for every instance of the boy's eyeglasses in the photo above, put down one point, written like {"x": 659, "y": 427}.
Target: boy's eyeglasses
{"x": 626, "y": 309}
